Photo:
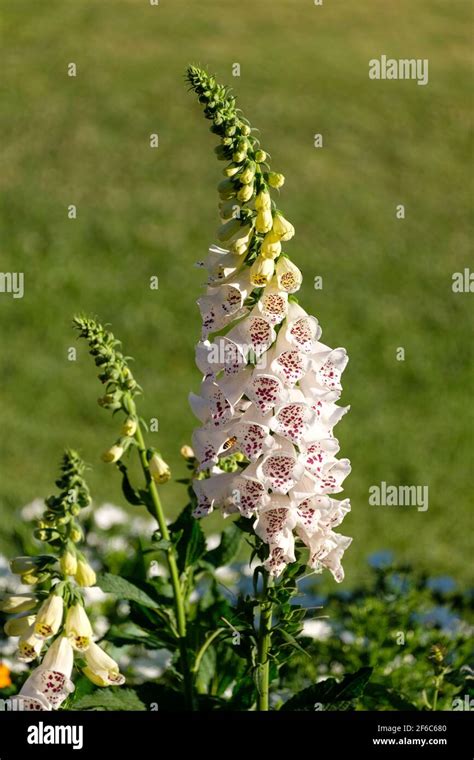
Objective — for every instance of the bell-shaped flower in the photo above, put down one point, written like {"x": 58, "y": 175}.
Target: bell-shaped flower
{"x": 261, "y": 271}
{"x": 100, "y": 668}
{"x": 282, "y": 227}
{"x": 29, "y": 645}
{"x": 273, "y": 305}
{"x": 51, "y": 683}
{"x": 326, "y": 550}
{"x": 15, "y": 603}
{"x": 288, "y": 275}
{"x": 49, "y": 617}
{"x": 18, "y": 626}
{"x": 274, "y": 525}
{"x": 78, "y": 628}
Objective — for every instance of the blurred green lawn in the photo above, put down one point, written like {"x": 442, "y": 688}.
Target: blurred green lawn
{"x": 144, "y": 212}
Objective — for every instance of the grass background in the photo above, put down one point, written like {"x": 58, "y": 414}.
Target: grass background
{"x": 144, "y": 212}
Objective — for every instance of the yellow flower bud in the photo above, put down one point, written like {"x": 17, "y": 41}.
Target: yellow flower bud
{"x": 186, "y": 452}
{"x": 239, "y": 156}
{"x": 129, "y": 427}
{"x": 263, "y": 200}
{"x": 159, "y": 470}
{"x": 246, "y": 177}
{"x": 260, "y": 156}
{"x": 245, "y": 193}
{"x": 275, "y": 179}
{"x": 113, "y": 454}
{"x": 261, "y": 271}
{"x": 75, "y": 535}
{"x": 231, "y": 170}
{"x": 85, "y": 576}
{"x": 271, "y": 246}
{"x": 283, "y": 228}
{"x": 264, "y": 220}
{"x": 68, "y": 563}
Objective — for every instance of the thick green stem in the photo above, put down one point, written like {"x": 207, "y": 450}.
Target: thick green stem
{"x": 173, "y": 568}
{"x": 264, "y": 643}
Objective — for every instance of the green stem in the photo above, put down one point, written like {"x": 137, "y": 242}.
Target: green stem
{"x": 263, "y": 647}
{"x": 173, "y": 568}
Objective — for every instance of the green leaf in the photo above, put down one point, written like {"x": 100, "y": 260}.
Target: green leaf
{"x": 191, "y": 544}
{"x": 122, "y": 588}
{"x": 131, "y": 495}
{"x": 293, "y": 642}
{"x": 114, "y": 698}
{"x": 384, "y": 696}
{"x": 206, "y": 670}
{"x": 228, "y": 548}
{"x": 330, "y": 691}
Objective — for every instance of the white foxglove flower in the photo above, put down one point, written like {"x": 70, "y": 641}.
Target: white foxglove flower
{"x": 29, "y": 645}
{"x": 78, "y": 628}
{"x": 50, "y": 616}
{"x": 50, "y": 683}
{"x": 101, "y": 669}
{"x": 270, "y": 388}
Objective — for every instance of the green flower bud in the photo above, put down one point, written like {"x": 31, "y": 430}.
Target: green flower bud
{"x": 260, "y": 156}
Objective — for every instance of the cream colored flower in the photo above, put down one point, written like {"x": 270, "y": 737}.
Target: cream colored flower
{"x": 101, "y": 669}
{"x": 50, "y": 616}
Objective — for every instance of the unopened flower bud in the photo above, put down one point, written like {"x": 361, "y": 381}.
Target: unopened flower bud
{"x": 275, "y": 179}
{"x": 260, "y": 156}
{"x": 245, "y": 193}
{"x": 263, "y": 200}
{"x": 264, "y": 221}
{"x": 129, "y": 427}
{"x": 75, "y": 534}
{"x": 68, "y": 563}
{"x": 231, "y": 170}
{"x": 113, "y": 454}
{"x": 271, "y": 246}
{"x": 186, "y": 452}
{"x": 283, "y": 228}
{"x": 85, "y": 576}
{"x": 246, "y": 177}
